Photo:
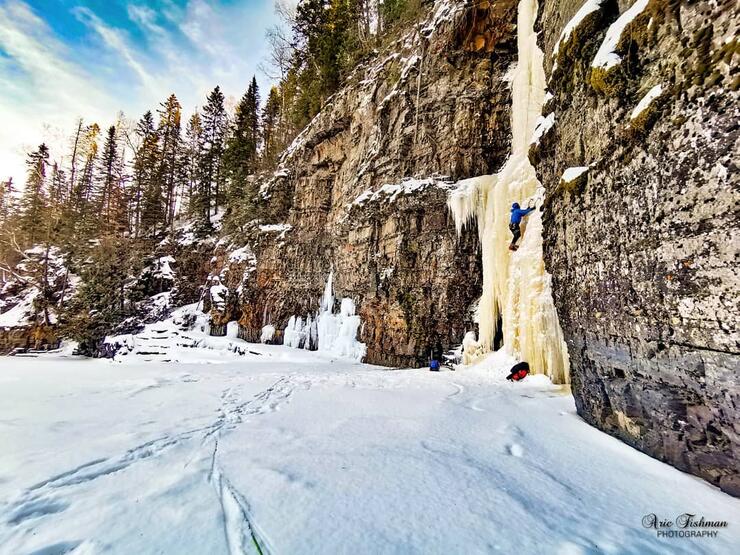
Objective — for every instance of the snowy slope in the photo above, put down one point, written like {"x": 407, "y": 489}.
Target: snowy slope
{"x": 299, "y": 453}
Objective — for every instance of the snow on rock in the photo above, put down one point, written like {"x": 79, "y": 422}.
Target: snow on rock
{"x": 280, "y": 229}
{"x": 542, "y": 127}
{"x": 219, "y": 293}
{"x": 243, "y": 254}
{"x": 217, "y": 219}
{"x": 266, "y": 186}
{"x": 232, "y": 330}
{"x": 163, "y": 268}
{"x": 589, "y": 7}
{"x": 21, "y": 314}
{"x": 185, "y": 235}
{"x": 391, "y": 192}
{"x": 606, "y": 57}
{"x": 40, "y": 269}
{"x": 444, "y": 12}
{"x": 573, "y": 173}
{"x": 410, "y": 64}
{"x": 181, "y": 337}
{"x": 646, "y": 101}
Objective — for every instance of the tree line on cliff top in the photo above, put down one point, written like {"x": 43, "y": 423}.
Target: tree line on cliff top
{"x": 118, "y": 191}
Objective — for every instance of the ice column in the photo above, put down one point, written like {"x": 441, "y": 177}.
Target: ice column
{"x": 328, "y": 332}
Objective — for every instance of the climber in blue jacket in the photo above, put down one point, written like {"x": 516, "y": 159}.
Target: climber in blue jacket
{"x": 517, "y": 214}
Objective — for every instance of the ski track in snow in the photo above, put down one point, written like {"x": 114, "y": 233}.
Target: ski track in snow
{"x": 43, "y": 498}
{"x": 371, "y": 451}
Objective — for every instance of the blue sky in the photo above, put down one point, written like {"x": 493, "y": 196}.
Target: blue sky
{"x": 63, "y": 59}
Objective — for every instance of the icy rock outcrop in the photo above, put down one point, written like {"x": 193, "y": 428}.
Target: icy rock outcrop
{"x": 30, "y": 298}
{"x": 644, "y": 268}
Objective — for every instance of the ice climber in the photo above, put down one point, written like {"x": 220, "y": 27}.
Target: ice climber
{"x": 436, "y": 358}
{"x": 517, "y": 214}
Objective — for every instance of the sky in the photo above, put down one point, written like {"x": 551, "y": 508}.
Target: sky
{"x": 65, "y": 59}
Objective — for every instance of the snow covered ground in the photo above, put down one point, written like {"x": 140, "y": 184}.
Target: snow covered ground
{"x": 295, "y": 452}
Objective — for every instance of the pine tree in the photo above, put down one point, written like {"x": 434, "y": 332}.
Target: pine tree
{"x": 215, "y": 124}
{"x": 109, "y": 199}
{"x": 58, "y": 187}
{"x": 170, "y": 171}
{"x": 272, "y": 129}
{"x": 101, "y": 301}
{"x": 76, "y": 146}
{"x": 7, "y": 227}
{"x": 240, "y": 156}
{"x": 192, "y": 164}
{"x": 6, "y": 200}
{"x": 58, "y": 190}
{"x": 79, "y": 212}
{"x": 33, "y": 204}
{"x": 147, "y": 199}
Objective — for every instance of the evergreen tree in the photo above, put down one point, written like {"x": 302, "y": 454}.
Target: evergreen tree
{"x": 215, "y": 124}
{"x": 76, "y": 147}
{"x": 33, "y": 203}
{"x": 7, "y": 227}
{"x": 6, "y": 201}
{"x": 170, "y": 164}
{"x": 110, "y": 199}
{"x": 57, "y": 199}
{"x": 147, "y": 199}
{"x": 101, "y": 302}
{"x": 58, "y": 187}
{"x": 240, "y": 156}
{"x": 193, "y": 162}
{"x": 272, "y": 127}
{"x": 79, "y": 212}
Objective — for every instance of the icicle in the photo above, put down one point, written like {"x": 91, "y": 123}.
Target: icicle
{"x": 515, "y": 285}
{"x": 327, "y": 300}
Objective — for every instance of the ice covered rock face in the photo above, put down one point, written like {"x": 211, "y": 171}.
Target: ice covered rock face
{"x": 434, "y": 106}
{"x": 641, "y": 250}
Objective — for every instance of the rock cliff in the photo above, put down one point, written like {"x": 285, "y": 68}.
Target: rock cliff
{"x": 636, "y": 150}
{"x": 362, "y": 191}
{"x": 641, "y": 232}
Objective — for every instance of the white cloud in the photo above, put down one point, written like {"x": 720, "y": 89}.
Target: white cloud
{"x": 186, "y": 50}
{"x": 117, "y": 42}
{"x": 40, "y": 85}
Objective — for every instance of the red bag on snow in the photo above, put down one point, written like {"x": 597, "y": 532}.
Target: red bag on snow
{"x": 518, "y": 372}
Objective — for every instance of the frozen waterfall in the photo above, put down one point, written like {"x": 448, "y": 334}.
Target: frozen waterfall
{"x": 329, "y": 332}
{"x": 515, "y": 284}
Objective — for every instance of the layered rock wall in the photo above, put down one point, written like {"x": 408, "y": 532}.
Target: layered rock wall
{"x": 643, "y": 244}
{"x": 433, "y": 106}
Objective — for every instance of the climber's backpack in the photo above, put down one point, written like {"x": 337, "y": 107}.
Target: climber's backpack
{"x": 518, "y": 372}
